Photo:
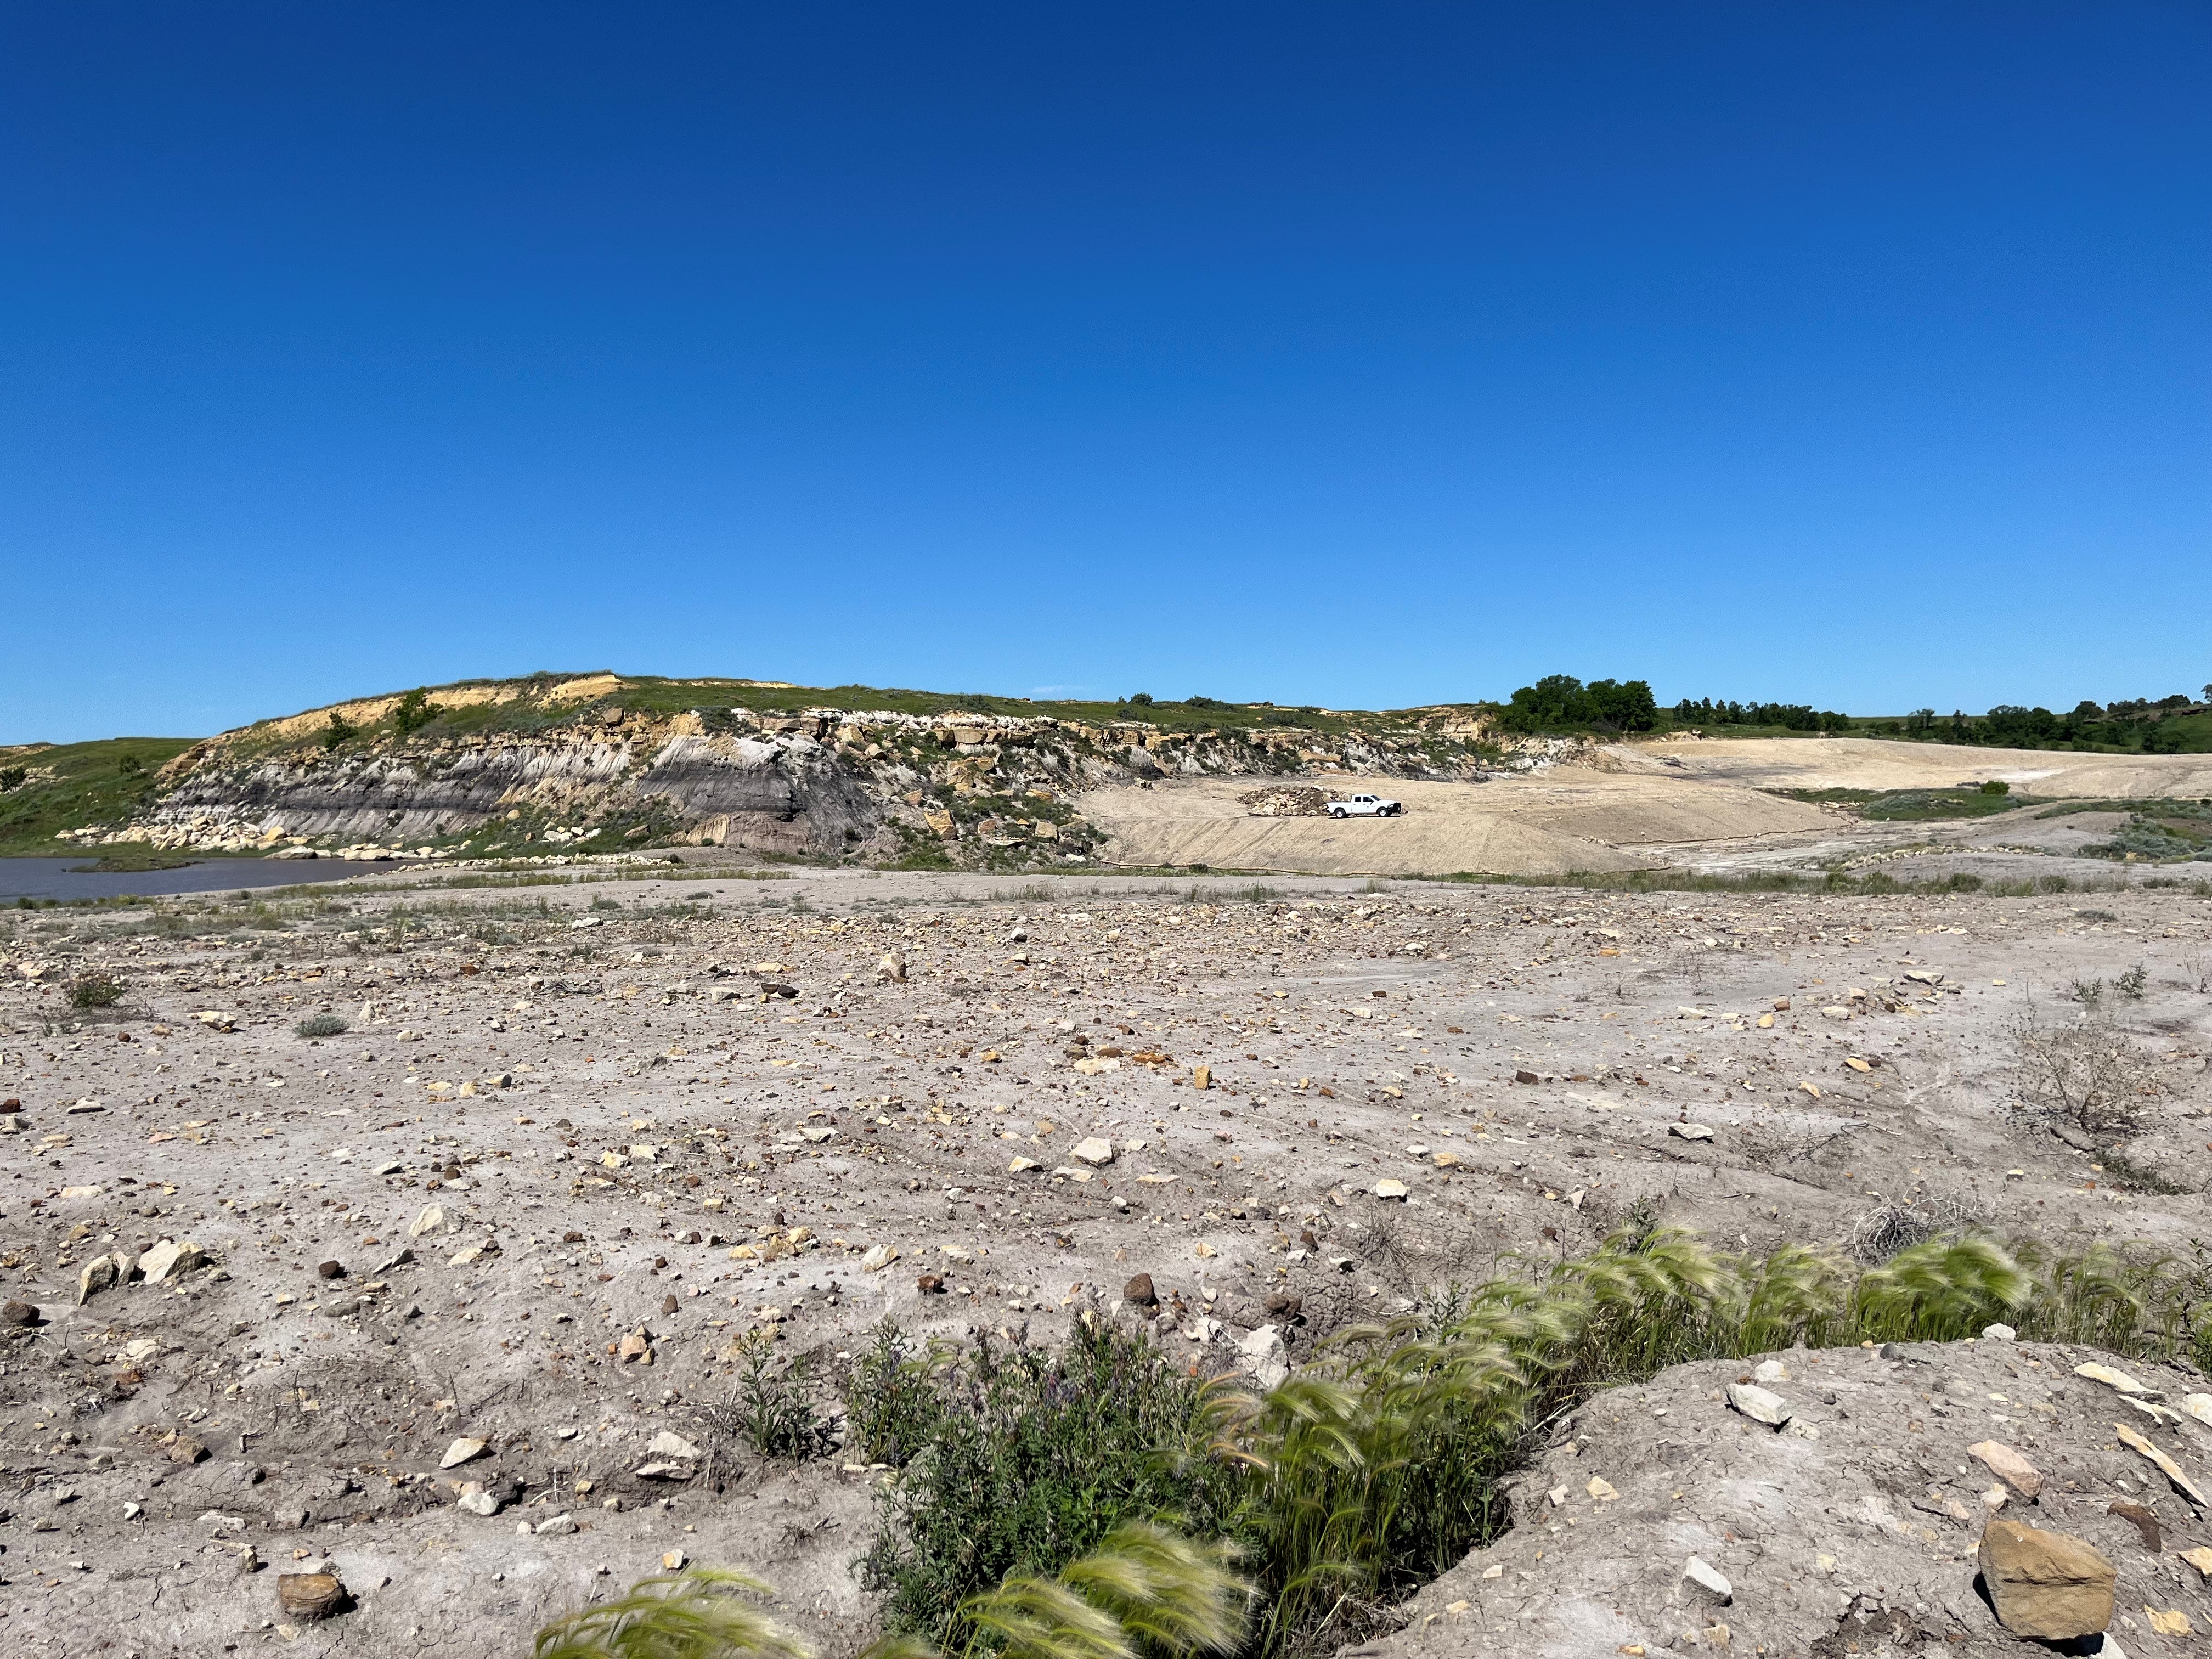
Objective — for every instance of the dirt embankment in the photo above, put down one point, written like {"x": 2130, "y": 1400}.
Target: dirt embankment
{"x": 1852, "y": 1528}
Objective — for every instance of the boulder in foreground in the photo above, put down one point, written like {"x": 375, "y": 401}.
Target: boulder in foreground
{"x": 2046, "y": 1584}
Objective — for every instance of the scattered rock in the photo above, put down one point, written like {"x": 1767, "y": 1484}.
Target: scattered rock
{"x": 307, "y": 1596}
{"x": 2009, "y": 1466}
{"x": 99, "y": 1273}
{"x": 2165, "y": 1465}
{"x": 878, "y": 1257}
{"x": 669, "y": 1443}
{"x": 462, "y": 1451}
{"x": 1095, "y": 1149}
{"x": 2118, "y": 1380}
{"x": 1264, "y": 1353}
{"x": 2045, "y": 1585}
{"x": 432, "y": 1219}
{"x": 2143, "y": 1522}
{"x": 1139, "y": 1292}
{"x": 1760, "y": 1405}
{"x": 1705, "y": 1583}
{"x": 929, "y": 1285}
{"x": 558, "y": 1526}
{"x": 330, "y": 1269}
{"x": 1691, "y": 1131}
{"x": 1285, "y": 801}
{"x": 1387, "y": 1190}
{"x": 19, "y": 1313}
{"x": 170, "y": 1258}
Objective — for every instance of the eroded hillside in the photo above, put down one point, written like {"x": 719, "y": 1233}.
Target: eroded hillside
{"x": 599, "y": 763}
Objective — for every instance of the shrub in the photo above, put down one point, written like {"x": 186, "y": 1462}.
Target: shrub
{"x": 1378, "y": 1464}
{"x": 2089, "y": 1075}
{"x": 1028, "y": 1460}
{"x": 321, "y": 1025}
{"x": 891, "y": 1402}
{"x": 1997, "y": 787}
{"x": 775, "y": 1411}
{"x": 414, "y": 712}
{"x": 96, "y": 990}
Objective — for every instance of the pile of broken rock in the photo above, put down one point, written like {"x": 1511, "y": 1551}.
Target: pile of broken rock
{"x": 1967, "y": 1498}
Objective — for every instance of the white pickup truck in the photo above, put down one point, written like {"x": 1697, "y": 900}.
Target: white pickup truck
{"x": 1363, "y": 806}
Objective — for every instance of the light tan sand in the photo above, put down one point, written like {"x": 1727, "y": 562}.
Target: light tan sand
{"x": 1565, "y": 820}
{"x": 1878, "y": 763}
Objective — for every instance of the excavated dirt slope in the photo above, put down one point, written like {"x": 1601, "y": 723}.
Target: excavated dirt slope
{"x": 1549, "y": 823}
{"x": 549, "y": 1267}
{"x": 1879, "y": 763}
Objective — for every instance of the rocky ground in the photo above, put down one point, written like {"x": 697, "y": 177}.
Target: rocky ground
{"x": 581, "y": 1146}
{"x": 1853, "y": 1527}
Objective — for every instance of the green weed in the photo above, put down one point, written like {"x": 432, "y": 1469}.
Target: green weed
{"x": 775, "y": 1411}
{"x": 706, "y": 1612}
{"x": 96, "y": 990}
{"x": 1025, "y": 1460}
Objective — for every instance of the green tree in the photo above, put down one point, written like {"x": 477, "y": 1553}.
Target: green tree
{"x": 1627, "y": 706}
{"x": 414, "y": 712}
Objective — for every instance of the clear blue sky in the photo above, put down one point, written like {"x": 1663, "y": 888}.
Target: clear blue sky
{"x": 1364, "y": 355}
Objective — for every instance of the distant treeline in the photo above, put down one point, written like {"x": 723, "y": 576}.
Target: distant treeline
{"x": 1560, "y": 702}
{"x": 1790, "y": 716}
{"x": 2172, "y": 725}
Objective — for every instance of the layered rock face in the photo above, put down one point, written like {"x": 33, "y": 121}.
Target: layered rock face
{"x": 549, "y": 776}
{"x": 786, "y": 794}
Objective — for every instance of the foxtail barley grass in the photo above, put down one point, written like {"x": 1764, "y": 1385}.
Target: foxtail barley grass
{"x": 706, "y": 1612}
{"x": 1378, "y": 1464}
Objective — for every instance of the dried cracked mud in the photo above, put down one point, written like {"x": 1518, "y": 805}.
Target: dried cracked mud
{"x": 582, "y": 1144}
